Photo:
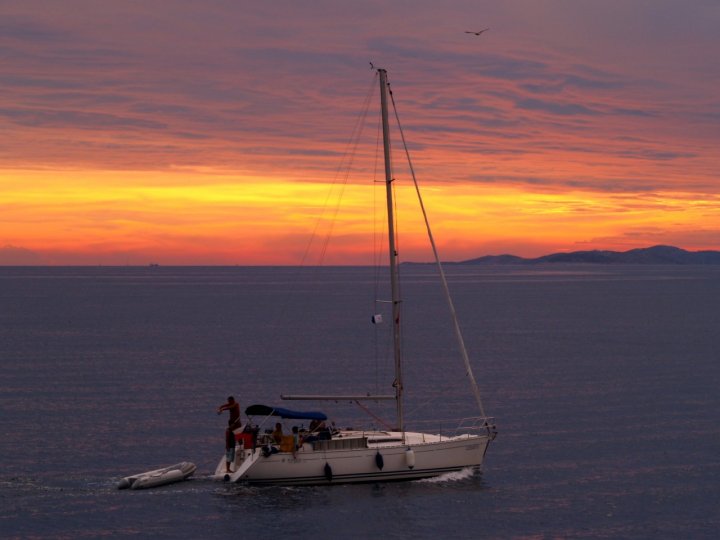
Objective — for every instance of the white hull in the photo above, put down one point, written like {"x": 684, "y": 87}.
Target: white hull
{"x": 353, "y": 458}
{"x": 158, "y": 477}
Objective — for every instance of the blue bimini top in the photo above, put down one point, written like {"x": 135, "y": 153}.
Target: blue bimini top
{"x": 265, "y": 410}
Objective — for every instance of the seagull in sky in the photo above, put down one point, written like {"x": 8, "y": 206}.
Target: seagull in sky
{"x": 477, "y": 33}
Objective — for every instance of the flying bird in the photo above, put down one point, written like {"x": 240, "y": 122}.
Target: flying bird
{"x": 477, "y": 33}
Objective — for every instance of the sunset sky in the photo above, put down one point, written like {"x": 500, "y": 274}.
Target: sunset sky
{"x": 213, "y": 132}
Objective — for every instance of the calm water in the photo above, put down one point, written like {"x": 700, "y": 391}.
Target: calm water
{"x": 604, "y": 382}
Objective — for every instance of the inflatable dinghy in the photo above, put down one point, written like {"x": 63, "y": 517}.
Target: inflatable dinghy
{"x": 158, "y": 477}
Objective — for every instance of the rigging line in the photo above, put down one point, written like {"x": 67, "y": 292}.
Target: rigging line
{"x": 378, "y": 237}
{"x": 352, "y": 143}
{"x": 382, "y": 332}
{"x": 398, "y": 268}
{"x": 376, "y": 417}
{"x": 451, "y": 305}
{"x": 397, "y": 243}
{"x": 360, "y": 124}
{"x": 376, "y": 261}
{"x": 438, "y": 393}
{"x": 284, "y": 307}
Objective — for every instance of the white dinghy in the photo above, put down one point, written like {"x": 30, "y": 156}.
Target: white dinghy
{"x": 158, "y": 477}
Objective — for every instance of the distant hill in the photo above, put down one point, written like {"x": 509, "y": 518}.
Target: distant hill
{"x": 651, "y": 255}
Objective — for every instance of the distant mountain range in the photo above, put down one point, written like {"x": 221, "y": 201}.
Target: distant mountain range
{"x": 651, "y": 255}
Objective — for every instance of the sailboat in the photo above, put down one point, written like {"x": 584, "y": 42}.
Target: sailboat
{"x": 327, "y": 455}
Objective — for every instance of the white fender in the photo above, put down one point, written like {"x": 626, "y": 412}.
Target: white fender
{"x": 410, "y": 457}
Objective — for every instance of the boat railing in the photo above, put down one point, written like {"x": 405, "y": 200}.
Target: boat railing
{"x": 360, "y": 437}
{"x": 470, "y": 426}
{"x": 340, "y": 443}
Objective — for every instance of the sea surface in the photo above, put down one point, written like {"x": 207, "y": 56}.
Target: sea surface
{"x": 604, "y": 382}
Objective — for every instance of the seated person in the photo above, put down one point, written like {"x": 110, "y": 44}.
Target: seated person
{"x": 287, "y": 443}
{"x": 297, "y": 440}
{"x": 278, "y": 433}
{"x": 316, "y": 425}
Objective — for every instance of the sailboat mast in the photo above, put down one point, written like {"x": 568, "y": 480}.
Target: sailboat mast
{"x": 394, "y": 286}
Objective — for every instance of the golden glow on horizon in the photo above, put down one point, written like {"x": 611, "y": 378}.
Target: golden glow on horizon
{"x": 185, "y": 218}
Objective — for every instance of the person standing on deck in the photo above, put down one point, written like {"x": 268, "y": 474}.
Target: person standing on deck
{"x": 234, "y": 408}
{"x": 229, "y": 449}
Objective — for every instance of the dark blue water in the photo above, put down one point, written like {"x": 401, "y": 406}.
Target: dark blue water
{"x": 604, "y": 382}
